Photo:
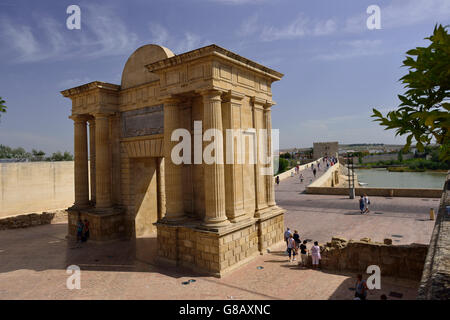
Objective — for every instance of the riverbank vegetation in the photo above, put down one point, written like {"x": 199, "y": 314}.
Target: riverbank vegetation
{"x": 428, "y": 160}
{"x": 21, "y": 155}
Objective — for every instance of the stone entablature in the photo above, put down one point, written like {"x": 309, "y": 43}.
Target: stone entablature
{"x": 134, "y": 184}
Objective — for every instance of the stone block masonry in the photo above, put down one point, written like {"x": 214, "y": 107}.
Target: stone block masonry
{"x": 402, "y": 261}
{"x": 217, "y": 253}
{"x": 435, "y": 282}
{"x": 31, "y": 219}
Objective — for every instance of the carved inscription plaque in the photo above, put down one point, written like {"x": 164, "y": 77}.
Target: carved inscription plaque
{"x": 142, "y": 122}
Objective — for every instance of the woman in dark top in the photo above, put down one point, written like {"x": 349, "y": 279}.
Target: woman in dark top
{"x": 296, "y": 238}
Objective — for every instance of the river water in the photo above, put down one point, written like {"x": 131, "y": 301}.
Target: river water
{"x": 381, "y": 178}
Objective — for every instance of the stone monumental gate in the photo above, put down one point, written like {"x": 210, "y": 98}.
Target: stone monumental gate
{"x": 207, "y": 217}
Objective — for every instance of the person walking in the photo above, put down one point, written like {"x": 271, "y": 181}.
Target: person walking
{"x": 361, "y": 204}
{"x": 314, "y": 172}
{"x": 315, "y": 254}
{"x": 303, "y": 254}
{"x": 301, "y": 177}
{"x": 287, "y": 234}
{"x": 291, "y": 247}
{"x": 297, "y": 241}
{"x": 277, "y": 180}
{"x": 361, "y": 288}
{"x": 366, "y": 203}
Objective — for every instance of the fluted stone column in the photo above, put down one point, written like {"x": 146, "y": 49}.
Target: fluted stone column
{"x": 260, "y": 183}
{"x": 270, "y": 193}
{"x": 102, "y": 162}
{"x": 214, "y": 174}
{"x": 81, "y": 162}
{"x": 161, "y": 188}
{"x": 173, "y": 173}
{"x": 234, "y": 189}
{"x": 92, "y": 157}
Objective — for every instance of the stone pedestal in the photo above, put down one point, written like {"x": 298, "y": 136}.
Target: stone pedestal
{"x": 102, "y": 226}
{"x": 218, "y": 252}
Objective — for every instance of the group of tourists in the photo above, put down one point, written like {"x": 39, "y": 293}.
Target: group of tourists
{"x": 296, "y": 247}
{"x": 364, "y": 203}
{"x": 82, "y": 230}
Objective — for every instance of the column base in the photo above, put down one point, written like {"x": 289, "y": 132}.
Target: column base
{"x": 174, "y": 220}
{"x": 217, "y": 252}
{"x": 262, "y": 211}
{"x": 215, "y": 223}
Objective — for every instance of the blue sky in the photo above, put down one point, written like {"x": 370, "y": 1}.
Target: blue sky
{"x": 336, "y": 69}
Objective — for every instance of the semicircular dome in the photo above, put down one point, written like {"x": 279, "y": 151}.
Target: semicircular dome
{"x": 134, "y": 73}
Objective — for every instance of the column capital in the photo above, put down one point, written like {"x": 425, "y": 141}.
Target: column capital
{"x": 79, "y": 118}
{"x": 171, "y": 99}
{"x": 101, "y": 115}
{"x": 231, "y": 95}
{"x": 268, "y": 105}
{"x": 211, "y": 93}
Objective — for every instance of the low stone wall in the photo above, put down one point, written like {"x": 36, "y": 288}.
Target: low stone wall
{"x": 35, "y": 186}
{"x": 30, "y": 220}
{"x": 378, "y": 192}
{"x": 435, "y": 282}
{"x": 402, "y": 261}
{"x": 217, "y": 253}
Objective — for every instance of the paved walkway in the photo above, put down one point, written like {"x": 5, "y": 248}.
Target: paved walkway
{"x": 319, "y": 217}
{"x": 33, "y": 261}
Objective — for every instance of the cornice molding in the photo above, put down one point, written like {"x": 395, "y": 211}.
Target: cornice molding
{"x": 90, "y": 86}
{"x": 213, "y": 50}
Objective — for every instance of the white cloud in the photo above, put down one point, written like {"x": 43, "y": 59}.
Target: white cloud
{"x": 352, "y": 49}
{"x": 102, "y": 34}
{"x": 187, "y": 42}
{"x": 300, "y": 27}
{"x": 249, "y": 26}
{"x": 20, "y": 38}
{"x": 402, "y": 13}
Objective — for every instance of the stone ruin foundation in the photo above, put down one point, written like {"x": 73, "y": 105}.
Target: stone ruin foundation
{"x": 399, "y": 261}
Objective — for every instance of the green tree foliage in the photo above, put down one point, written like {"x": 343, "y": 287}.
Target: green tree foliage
{"x": 35, "y": 155}
{"x": 38, "y": 155}
{"x": 400, "y": 156}
{"x": 2, "y": 106}
{"x": 424, "y": 110}
{"x": 283, "y": 165}
{"x": 286, "y": 155}
{"x": 58, "y": 156}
